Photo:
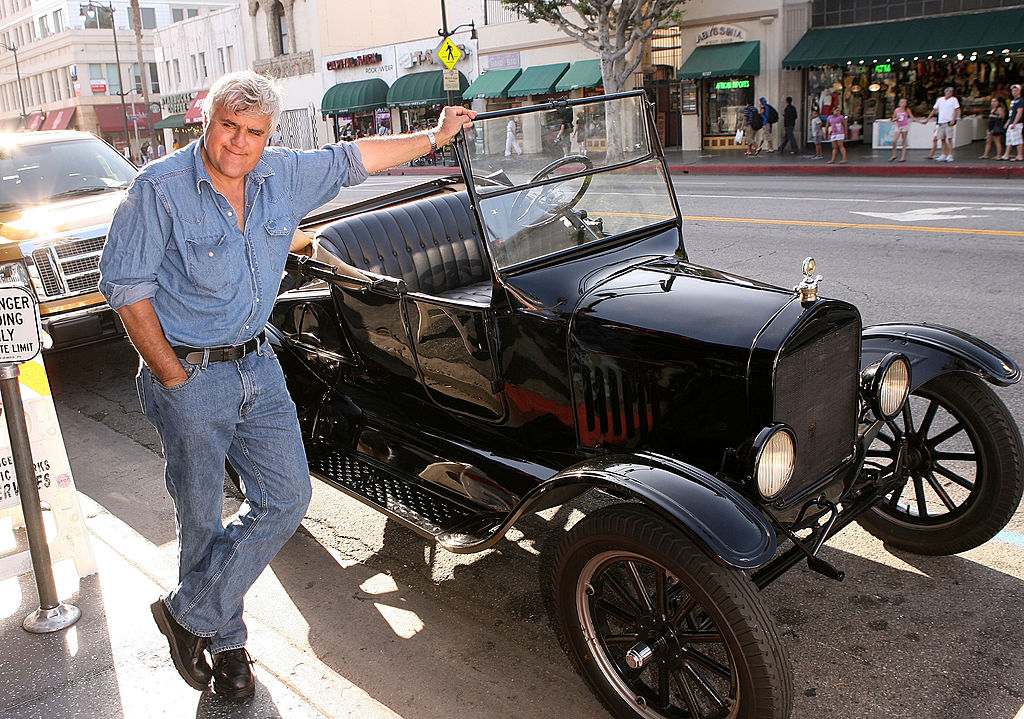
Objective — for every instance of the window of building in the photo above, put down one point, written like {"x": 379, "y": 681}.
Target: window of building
{"x": 231, "y": 56}
{"x": 177, "y": 14}
{"x": 282, "y": 28}
{"x": 154, "y": 78}
{"x": 58, "y": 20}
{"x": 192, "y": 12}
{"x": 95, "y": 19}
{"x": 148, "y": 16}
{"x": 113, "y": 79}
{"x": 220, "y": 60}
{"x": 177, "y": 72}
{"x": 44, "y": 26}
{"x": 195, "y": 69}
{"x": 202, "y": 66}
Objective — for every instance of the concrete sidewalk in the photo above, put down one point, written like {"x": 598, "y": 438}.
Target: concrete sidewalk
{"x": 861, "y": 160}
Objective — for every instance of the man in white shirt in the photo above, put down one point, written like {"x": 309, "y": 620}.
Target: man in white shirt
{"x": 947, "y": 108}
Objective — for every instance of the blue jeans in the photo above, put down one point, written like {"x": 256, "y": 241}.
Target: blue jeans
{"x": 240, "y": 410}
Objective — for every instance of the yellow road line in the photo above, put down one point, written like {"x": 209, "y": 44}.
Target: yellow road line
{"x": 857, "y": 225}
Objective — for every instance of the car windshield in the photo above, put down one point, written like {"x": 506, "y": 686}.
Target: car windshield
{"x": 39, "y": 172}
{"x": 560, "y": 177}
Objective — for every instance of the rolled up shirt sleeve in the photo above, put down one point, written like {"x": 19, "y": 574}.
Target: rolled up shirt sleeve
{"x": 135, "y": 246}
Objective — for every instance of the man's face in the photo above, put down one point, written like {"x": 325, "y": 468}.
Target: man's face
{"x": 1016, "y": 91}
{"x": 948, "y": 93}
{"x": 234, "y": 142}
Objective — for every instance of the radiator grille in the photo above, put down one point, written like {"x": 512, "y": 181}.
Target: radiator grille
{"x": 617, "y": 406}
{"x": 816, "y": 395}
{"x": 69, "y": 268}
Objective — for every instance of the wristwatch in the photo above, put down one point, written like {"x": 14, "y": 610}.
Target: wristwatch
{"x": 433, "y": 140}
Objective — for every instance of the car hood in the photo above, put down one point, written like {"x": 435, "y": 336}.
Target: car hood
{"x": 59, "y": 218}
{"x": 663, "y": 311}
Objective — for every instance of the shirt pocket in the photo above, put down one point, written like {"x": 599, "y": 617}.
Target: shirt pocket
{"x": 209, "y": 262}
{"x": 279, "y": 228}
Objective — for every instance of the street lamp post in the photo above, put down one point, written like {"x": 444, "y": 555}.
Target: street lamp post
{"x": 17, "y": 72}
{"x": 445, "y": 33}
{"x": 94, "y": 7}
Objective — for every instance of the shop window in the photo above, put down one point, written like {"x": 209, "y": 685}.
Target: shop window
{"x": 724, "y": 101}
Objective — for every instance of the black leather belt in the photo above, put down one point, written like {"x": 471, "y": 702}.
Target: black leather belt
{"x": 195, "y": 355}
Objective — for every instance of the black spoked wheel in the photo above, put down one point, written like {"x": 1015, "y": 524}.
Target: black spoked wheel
{"x": 659, "y": 629}
{"x": 961, "y": 469}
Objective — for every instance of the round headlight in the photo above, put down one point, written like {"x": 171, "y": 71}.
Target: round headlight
{"x": 886, "y": 384}
{"x": 774, "y": 458}
{"x": 894, "y": 388}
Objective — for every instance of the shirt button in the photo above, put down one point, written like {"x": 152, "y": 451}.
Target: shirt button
{"x": 211, "y": 254}
{"x": 229, "y": 214}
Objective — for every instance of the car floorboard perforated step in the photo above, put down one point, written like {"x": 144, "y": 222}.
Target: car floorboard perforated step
{"x": 415, "y": 505}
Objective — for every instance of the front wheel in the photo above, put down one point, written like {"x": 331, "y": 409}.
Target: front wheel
{"x": 957, "y": 453}
{"x": 659, "y": 629}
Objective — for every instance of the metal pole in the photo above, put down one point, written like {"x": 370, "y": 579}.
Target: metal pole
{"x": 52, "y": 614}
{"x": 444, "y": 33}
{"x": 117, "y": 60}
{"x": 17, "y": 73}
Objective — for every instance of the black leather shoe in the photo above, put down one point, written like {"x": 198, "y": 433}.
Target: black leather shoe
{"x": 232, "y": 676}
{"x": 186, "y": 648}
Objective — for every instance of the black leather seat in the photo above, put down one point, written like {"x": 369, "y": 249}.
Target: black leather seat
{"x": 433, "y": 244}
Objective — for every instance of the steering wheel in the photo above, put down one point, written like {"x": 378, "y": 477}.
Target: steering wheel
{"x": 548, "y": 202}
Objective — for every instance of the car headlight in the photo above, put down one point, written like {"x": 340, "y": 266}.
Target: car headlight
{"x": 774, "y": 458}
{"x": 886, "y": 385}
{"x": 14, "y": 273}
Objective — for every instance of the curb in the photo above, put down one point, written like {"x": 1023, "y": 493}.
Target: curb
{"x": 946, "y": 170}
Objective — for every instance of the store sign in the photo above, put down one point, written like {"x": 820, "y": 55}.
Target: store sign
{"x": 98, "y": 86}
{"x": 20, "y": 340}
{"x": 732, "y": 84}
{"x": 720, "y": 35}
{"x": 883, "y": 67}
{"x": 504, "y": 61}
{"x": 371, "y": 58}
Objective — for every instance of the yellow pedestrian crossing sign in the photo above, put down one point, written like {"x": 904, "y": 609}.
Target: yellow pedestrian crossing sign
{"x": 449, "y": 53}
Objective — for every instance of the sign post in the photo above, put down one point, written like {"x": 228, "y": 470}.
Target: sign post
{"x": 20, "y": 341}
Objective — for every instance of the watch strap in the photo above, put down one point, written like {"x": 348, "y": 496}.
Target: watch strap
{"x": 433, "y": 140}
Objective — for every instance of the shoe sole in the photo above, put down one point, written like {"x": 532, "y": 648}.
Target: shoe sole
{"x": 161, "y": 616}
{"x": 235, "y": 695}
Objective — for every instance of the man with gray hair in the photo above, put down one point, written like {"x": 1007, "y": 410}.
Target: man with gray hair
{"x": 192, "y": 264}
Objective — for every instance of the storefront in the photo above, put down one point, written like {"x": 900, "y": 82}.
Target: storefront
{"x": 724, "y": 74}
{"x": 357, "y": 109}
{"x": 492, "y": 86}
{"x": 866, "y": 69}
{"x": 417, "y": 98}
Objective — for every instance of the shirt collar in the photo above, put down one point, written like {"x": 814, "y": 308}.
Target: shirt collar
{"x": 201, "y": 174}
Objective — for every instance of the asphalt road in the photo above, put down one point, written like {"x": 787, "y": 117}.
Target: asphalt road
{"x": 904, "y": 635}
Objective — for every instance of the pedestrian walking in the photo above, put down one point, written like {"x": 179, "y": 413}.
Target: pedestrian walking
{"x": 836, "y": 133}
{"x": 901, "y": 118}
{"x": 947, "y": 112}
{"x": 192, "y": 264}
{"x": 751, "y": 127}
{"x": 581, "y": 134}
{"x": 1014, "y": 125}
{"x": 769, "y": 116}
{"x": 276, "y": 138}
{"x": 788, "y": 126}
{"x": 510, "y": 139}
{"x": 996, "y": 128}
{"x": 816, "y": 132}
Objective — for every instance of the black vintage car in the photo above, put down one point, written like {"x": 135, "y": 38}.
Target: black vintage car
{"x": 477, "y": 348}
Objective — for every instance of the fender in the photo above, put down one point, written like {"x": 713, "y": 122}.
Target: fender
{"x": 724, "y": 523}
{"x": 934, "y": 350}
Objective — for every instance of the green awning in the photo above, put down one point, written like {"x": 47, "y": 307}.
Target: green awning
{"x": 422, "y": 88}
{"x": 735, "y": 59}
{"x": 171, "y": 122}
{"x": 990, "y": 32}
{"x": 585, "y": 73}
{"x": 491, "y": 84}
{"x": 352, "y": 96}
{"x": 538, "y": 80}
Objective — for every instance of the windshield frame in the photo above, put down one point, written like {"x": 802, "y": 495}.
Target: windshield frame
{"x": 656, "y": 153}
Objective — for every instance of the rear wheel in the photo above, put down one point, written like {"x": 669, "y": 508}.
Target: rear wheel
{"x": 659, "y": 629}
{"x": 961, "y": 468}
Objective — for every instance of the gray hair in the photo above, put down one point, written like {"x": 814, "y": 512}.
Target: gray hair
{"x": 244, "y": 92}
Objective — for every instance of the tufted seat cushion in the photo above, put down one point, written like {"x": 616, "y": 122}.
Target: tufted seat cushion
{"x": 433, "y": 244}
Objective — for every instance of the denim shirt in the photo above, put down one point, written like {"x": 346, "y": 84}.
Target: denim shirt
{"x": 174, "y": 239}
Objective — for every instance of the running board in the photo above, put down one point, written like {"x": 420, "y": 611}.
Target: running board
{"x": 456, "y": 526}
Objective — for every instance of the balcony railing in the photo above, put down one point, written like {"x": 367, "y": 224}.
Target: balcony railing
{"x": 495, "y": 13}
